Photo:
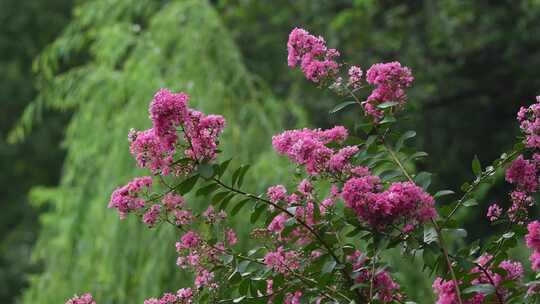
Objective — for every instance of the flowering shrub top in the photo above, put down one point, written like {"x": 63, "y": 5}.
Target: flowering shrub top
{"x": 321, "y": 241}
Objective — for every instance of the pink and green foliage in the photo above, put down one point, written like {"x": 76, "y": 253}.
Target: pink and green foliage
{"x": 356, "y": 197}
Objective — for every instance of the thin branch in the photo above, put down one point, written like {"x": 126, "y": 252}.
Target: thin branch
{"x": 475, "y": 185}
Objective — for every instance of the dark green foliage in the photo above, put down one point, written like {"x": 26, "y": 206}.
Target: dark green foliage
{"x": 26, "y": 28}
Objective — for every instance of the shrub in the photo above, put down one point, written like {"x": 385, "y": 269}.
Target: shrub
{"x": 355, "y": 198}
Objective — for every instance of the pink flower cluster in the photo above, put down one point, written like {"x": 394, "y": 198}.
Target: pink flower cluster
{"x": 384, "y": 286}
{"x": 485, "y": 274}
{"x": 355, "y": 77}
{"x": 128, "y": 198}
{"x": 494, "y": 212}
{"x": 282, "y": 261}
{"x": 523, "y": 173}
{"x": 84, "y": 299}
{"x": 308, "y": 147}
{"x": 150, "y": 152}
{"x": 154, "y": 148}
{"x": 519, "y": 212}
{"x": 182, "y": 296}
{"x": 200, "y": 255}
{"x": 402, "y": 202}
{"x": 310, "y": 52}
{"x": 302, "y": 206}
{"x": 390, "y": 80}
{"x": 533, "y": 241}
{"x": 293, "y": 298}
{"x": 446, "y": 292}
{"x": 529, "y": 121}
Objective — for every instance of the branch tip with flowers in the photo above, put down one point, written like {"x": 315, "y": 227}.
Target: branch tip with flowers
{"x": 321, "y": 240}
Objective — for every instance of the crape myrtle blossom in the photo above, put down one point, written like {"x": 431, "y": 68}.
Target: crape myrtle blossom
{"x": 155, "y": 148}
{"x": 402, "y": 202}
{"x": 182, "y": 296}
{"x": 446, "y": 293}
{"x": 151, "y": 216}
{"x": 310, "y": 52}
{"x": 529, "y": 120}
{"x": 518, "y": 211}
{"x": 494, "y": 212}
{"x": 198, "y": 255}
{"x": 304, "y": 227}
{"x": 129, "y": 198}
{"x": 150, "y": 152}
{"x": 83, "y": 299}
{"x": 282, "y": 261}
{"x": 523, "y": 173}
{"x": 355, "y": 77}
{"x": 167, "y": 112}
{"x": 485, "y": 274}
{"x": 390, "y": 81}
{"x": 532, "y": 240}
{"x": 513, "y": 271}
{"x": 309, "y": 148}
{"x": 293, "y": 298}
{"x": 385, "y": 287}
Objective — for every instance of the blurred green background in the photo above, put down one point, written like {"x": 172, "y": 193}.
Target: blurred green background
{"x": 76, "y": 75}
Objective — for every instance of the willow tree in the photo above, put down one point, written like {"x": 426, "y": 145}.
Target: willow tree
{"x": 104, "y": 69}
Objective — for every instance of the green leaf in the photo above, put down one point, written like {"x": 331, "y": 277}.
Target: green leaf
{"x": 206, "y": 170}
{"x": 341, "y": 106}
{"x": 226, "y": 200}
{"x": 403, "y": 138}
{"x": 242, "y": 266}
{"x": 223, "y": 167}
{"x": 207, "y": 189}
{"x": 218, "y": 197}
{"x": 443, "y": 193}
{"x": 387, "y": 120}
{"x": 234, "y": 277}
{"x": 239, "y": 206}
{"x": 417, "y": 155}
{"x": 508, "y": 235}
{"x": 387, "y": 104}
{"x": 423, "y": 179}
{"x": 390, "y": 174}
{"x": 470, "y": 203}
{"x": 476, "y": 166}
{"x": 235, "y": 175}
{"x": 188, "y": 184}
{"x": 241, "y": 175}
{"x": 328, "y": 266}
{"x": 257, "y": 213}
{"x": 486, "y": 289}
{"x": 371, "y": 139}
